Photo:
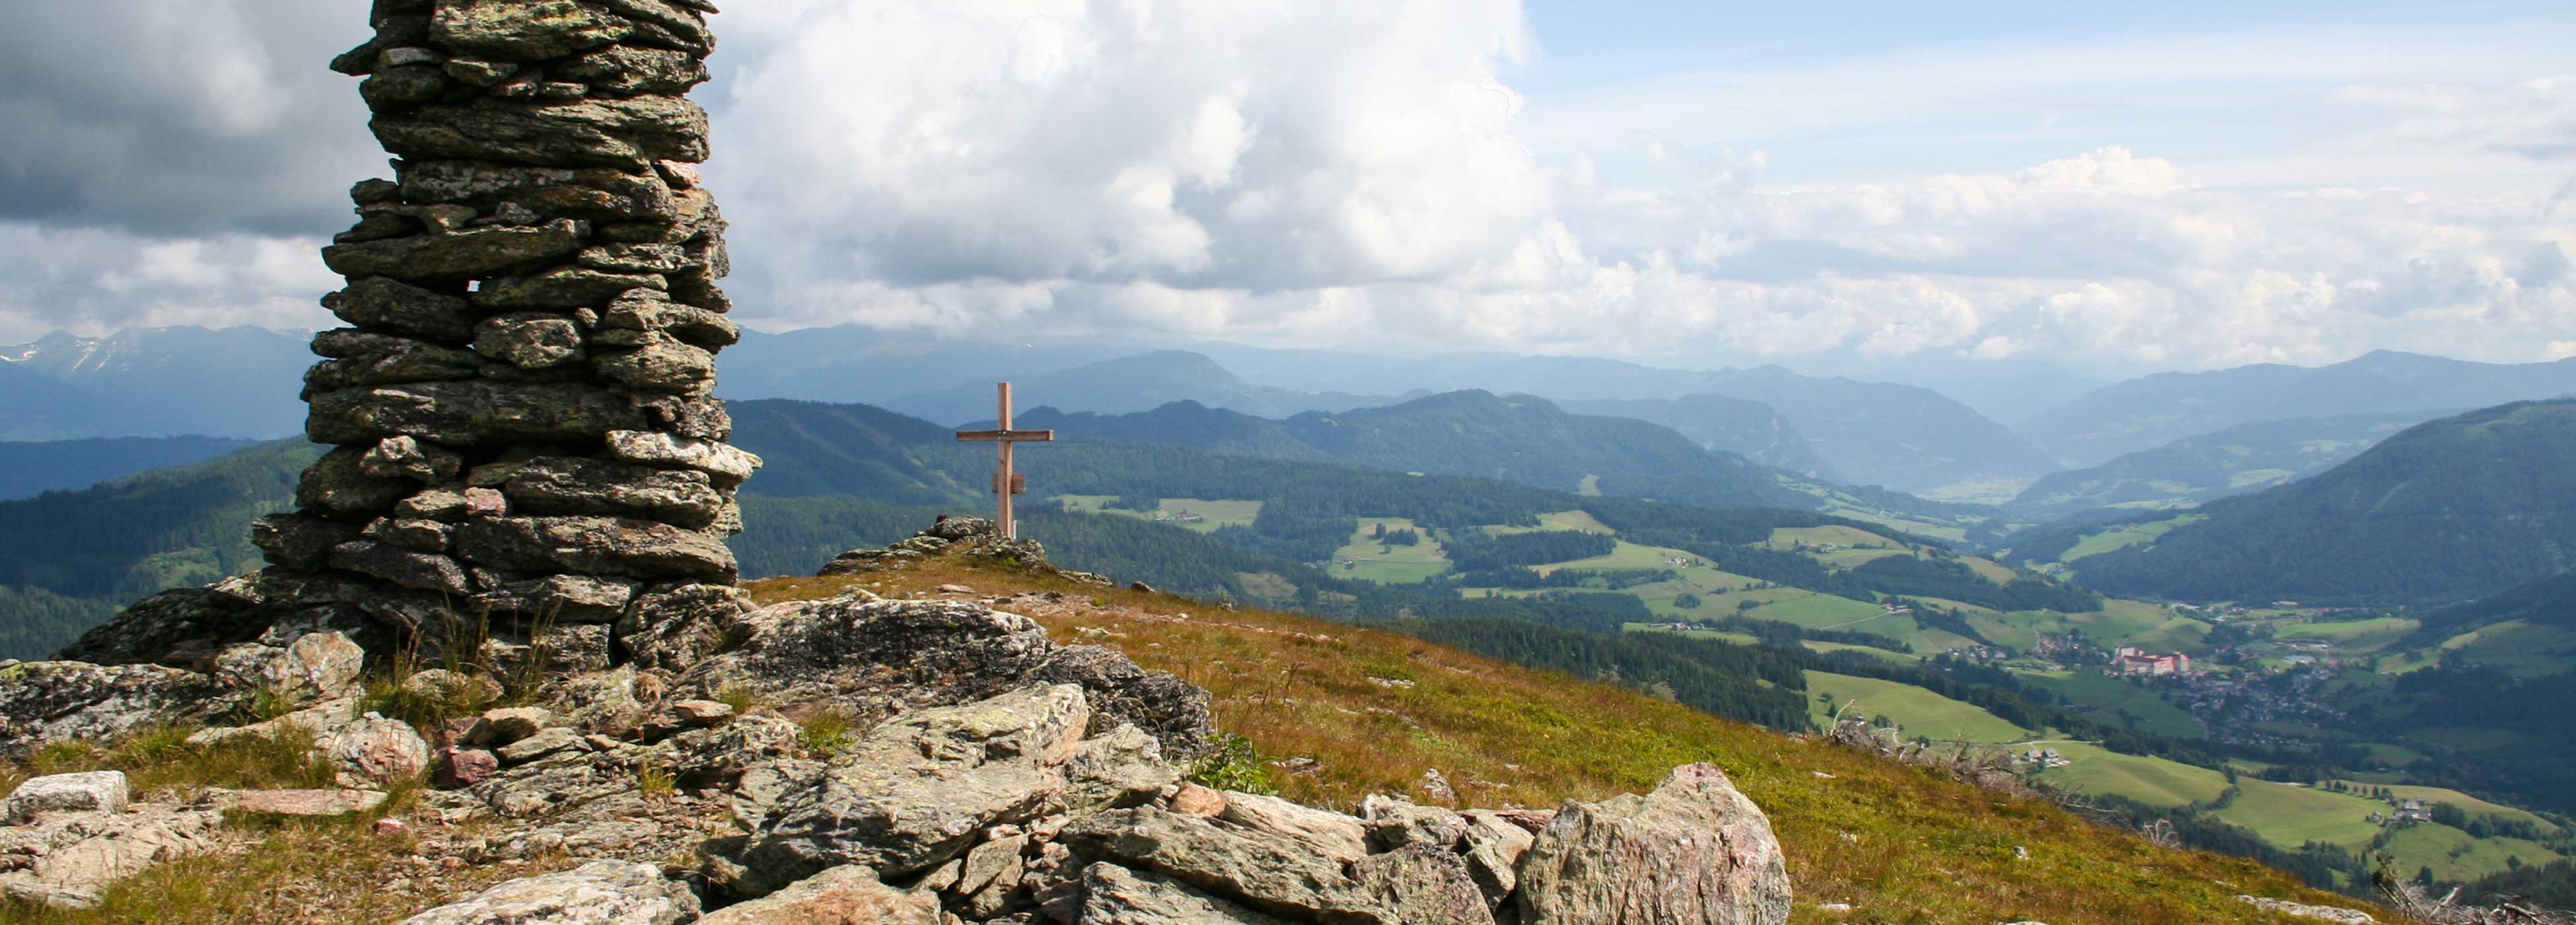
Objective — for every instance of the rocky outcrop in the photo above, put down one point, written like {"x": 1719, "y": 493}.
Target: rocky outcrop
{"x": 71, "y": 836}
{"x": 1694, "y": 851}
{"x": 598, "y": 893}
{"x": 519, "y": 404}
{"x": 874, "y": 657}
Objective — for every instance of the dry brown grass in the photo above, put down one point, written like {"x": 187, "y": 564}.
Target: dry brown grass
{"x": 1899, "y": 843}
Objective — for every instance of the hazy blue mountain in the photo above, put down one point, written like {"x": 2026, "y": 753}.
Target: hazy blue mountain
{"x": 850, "y": 363}
{"x": 1740, "y": 426}
{"x": 2448, "y": 510}
{"x": 155, "y": 382}
{"x": 29, "y": 469}
{"x": 2245, "y": 458}
{"x": 2151, "y": 411}
{"x": 1131, "y": 383}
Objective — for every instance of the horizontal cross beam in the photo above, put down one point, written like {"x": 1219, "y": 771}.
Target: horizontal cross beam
{"x": 990, "y": 436}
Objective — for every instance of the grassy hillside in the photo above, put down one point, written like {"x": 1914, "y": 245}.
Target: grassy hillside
{"x": 1900, "y": 844}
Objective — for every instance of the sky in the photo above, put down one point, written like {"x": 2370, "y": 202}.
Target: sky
{"x": 2103, "y": 189}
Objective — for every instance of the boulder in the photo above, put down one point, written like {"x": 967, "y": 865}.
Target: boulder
{"x": 67, "y": 860}
{"x": 409, "y": 458}
{"x": 473, "y": 253}
{"x": 338, "y": 484}
{"x": 1494, "y": 847}
{"x": 1328, "y": 834}
{"x": 47, "y": 702}
{"x": 375, "y": 752}
{"x": 1114, "y": 895}
{"x": 1421, "y": 884}
{"x": 1694, "y": 851}
{"x": 1122, "y": 768}
{"x": 508, "y": 724}
{"x": 178, "y": 622}
{"x": 563, "y": 287}
{"x": 724, "y": 465}
{"x": 313, "y": 665}
{"x": 660, "y": 363}
{"x": 846, "y": 895}
{"x": 676, "y": 627}
{"x": 297, "y": 541}
{"x": 1394, "y": 823}
{"x": 572, "y": 485}
{"x": 529, "y": 340}
{"x": 595, "y": 546}
{"x": 524, "y": 30}
{"x": 628, "y": 134}
{"x": 84, "y": 792}
{"x": 381, "y": 306}
{"x": 307, "y": 803}
{"x": 597, "y": 893}
{"x": 1278, "y": 875}
{"x": 470, "y": 413}
{"x": 882, "y": 656}
{"x": 914, "y": 792}
{"x": 550, "y": 192}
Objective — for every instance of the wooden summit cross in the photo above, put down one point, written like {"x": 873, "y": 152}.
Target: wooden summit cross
{"x": 1006, "y": 482}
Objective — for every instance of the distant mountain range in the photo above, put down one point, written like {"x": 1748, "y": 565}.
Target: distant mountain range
{"x": 2448, "y": 510}
{"x": 2239, "y": 460}
{"x": 1475, "y": 433}
{"x": 1740, "y": 426}
{"x": 2148, "y": 412}
{"x": 29, "y": 469}
{"x": 154, "y": 382}
{"x": 1132, "y": 383}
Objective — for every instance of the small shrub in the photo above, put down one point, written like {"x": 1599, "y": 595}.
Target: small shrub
{"x": 1232, "y": 765}
{"x": 740, "y": 697}
{"x": 824, "y": 733}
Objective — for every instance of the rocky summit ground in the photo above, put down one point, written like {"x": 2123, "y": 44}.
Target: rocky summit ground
{"x": 950, "y": 731}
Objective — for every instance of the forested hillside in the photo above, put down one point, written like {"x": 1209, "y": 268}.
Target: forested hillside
{"x": 2448, "y": 510}
{"x": 28, "y": 469}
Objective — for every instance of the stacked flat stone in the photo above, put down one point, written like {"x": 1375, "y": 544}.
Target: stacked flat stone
{"x": 520, "y": 404}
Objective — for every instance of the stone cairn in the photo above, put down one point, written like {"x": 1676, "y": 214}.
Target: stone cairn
{"x": 524, "y": 436}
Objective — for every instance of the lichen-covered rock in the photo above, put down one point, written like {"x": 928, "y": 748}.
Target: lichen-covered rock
{"x": 1279, "y": 875}
{"x": 566, "y": 485}
{"x": 1123, "y": 768}
{"x": 595, "y": 546}
{"x": 529, "y": 340}
{"x": 672, "y": 628}
{"x": 1114, "y": 895}
{"x": 597, "y": 893}
{"x": 67, "y": 860}
{"x": 472, "y": 413}
{"x": 881, "y": 656}
{"x": 46, "y": 702}
{"x": 462, "y": 255}
{"x": 1694, "y": 851}
{"x": 623, "y": 133}
{"x": 846, "y": 895}
{"x": 311, "y": 666}
{"x": 375, "y": 752}
{"x": 84, "y": 792}
{"x": 913, "y": 792}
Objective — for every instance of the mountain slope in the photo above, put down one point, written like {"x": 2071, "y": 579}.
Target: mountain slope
{"x": 1903, "y": 437}
{"x": 1740, "y": 426}
{"x": 2245, "y": 458}
{"x": 1123, "y": 384}
{"x": 151, "y": 382}
{"x": 2448, "y": 510}
{"x": 2144, "y": 413}
{"x": 29, "y": 469}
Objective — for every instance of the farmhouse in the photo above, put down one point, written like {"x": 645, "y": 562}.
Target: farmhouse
{"x": 2130, "y": 660}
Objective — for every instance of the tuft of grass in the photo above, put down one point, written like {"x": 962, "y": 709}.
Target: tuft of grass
{"x": 824, "y": 733}
{"x": 741, "y": 697}
{"x": 655, "y": 781}
{"x": 389, "y": 694}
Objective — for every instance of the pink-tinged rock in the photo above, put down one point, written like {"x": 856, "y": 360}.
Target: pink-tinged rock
{"x": 390, "y": 828}
{"x": 309, "y": 802}
{"x": 465, "y": 767}
{"x": 1196, "y": 801}
{"x": 375, "y": 751}
{"x": 845, "y": 895}
{"x": 483, "y": 503}
{"x": 1695, "y": 851}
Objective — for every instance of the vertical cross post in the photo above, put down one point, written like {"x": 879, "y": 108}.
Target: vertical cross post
{"x": 1006, "y": 482}
{"x": 1002, "y": 486}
